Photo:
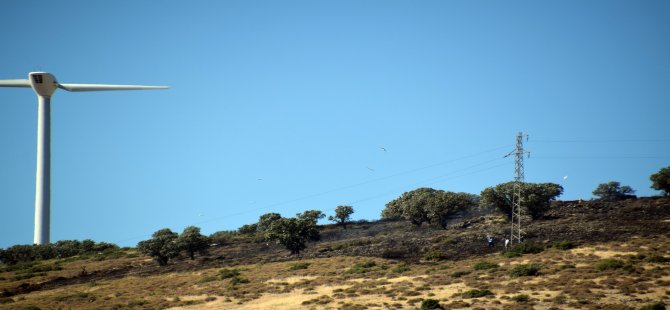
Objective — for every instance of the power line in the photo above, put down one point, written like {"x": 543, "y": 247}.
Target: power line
{"x": 347, "y": 187}
{"x": 426, "y": 182}
{"x": 601, "y": 157}
{"x": 602, "y": 141}
{"x": 270, "y": 206}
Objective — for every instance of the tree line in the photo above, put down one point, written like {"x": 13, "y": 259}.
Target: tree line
{"x": 419, "y": 206}
{"x": 61, "y": 249}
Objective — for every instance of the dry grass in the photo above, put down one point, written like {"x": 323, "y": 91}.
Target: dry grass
{"x": 567, "y": 279}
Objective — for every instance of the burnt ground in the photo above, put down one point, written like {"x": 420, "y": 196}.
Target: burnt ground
{"x": 583, "y": 223}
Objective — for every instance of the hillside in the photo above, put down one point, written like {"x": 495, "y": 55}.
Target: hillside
{"x": 591, "y": 255}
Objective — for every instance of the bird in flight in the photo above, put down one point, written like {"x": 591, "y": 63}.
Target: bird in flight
{"x": 383, "y": 149}
{"x": 373, "y": 170}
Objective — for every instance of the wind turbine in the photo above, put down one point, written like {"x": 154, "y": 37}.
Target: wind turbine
{"x": 44, "y": 84}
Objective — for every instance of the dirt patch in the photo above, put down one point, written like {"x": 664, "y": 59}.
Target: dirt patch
{"x": 292, "y": 280}
{"x": 600, "y": 253}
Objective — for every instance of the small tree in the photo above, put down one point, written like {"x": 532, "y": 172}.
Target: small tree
{"x": 67, "y": 248}
{"x": 342, "y": 215}
{"x": 192, "y": 241}
{"x": 613, "y": 191}
{"x": 223, "y": 236}
{"x": 162, "y": 246}
{"x": 661, "y": 181}
{"x": 535, "y": 197}
{"x": 248, "y": 229}
{"x": 411, "y": 206}
{"x": 293, "y": 233}
{"x": 447, "y": 204}
{"x": 265, "y": 220}
{"x": 311, "y": 215}
{"x": 428, "y": 205}
{"x": 19, "y": 253}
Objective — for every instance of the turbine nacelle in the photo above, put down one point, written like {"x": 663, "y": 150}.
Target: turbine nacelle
{"x": 43, "y": 83}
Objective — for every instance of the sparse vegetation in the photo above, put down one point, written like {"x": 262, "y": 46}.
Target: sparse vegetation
{"x": 610, "y": 264}
{"x": 243, "y": 272}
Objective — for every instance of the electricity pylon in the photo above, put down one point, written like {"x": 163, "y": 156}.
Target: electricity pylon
{"x": 516, "y": 231}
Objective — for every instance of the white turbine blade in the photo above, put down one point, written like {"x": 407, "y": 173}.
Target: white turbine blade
{"x": 14, "y": 83}
{"x": 105, "y": 87}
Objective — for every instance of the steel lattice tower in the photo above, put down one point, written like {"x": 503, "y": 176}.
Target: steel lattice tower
{"x": 518, "y": 183}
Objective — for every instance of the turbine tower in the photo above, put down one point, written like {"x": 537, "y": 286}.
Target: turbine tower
{"x": 44, "y": 84}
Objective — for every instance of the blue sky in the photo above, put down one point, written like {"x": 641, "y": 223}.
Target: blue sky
{"x": 285, "y": 106}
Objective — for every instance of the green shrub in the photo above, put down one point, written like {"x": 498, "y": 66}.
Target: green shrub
{"x": 298, "y": 266}
{"x": 321, "y": 300}
{"x": 208, "y": 279}
{"x": 563, "y": 245}
{"x": 435, "y": 256}
{"x": 226, "y": 273}
{"x": 657, "y": 259}
{"x": 525, "y": 270}
{"x": 521, "y": 298}
{"x": 137, "y": 303}
{"x": 527, "y": 248}
{"x": 429, "y": 304}
{"x": 655, "y": 306}
{"x": 401, "y": 268}
{"x": 6, "y": 300}
{"x": 523, "y": 248}
{"x": 485, "y": 265}
{"x": 458, "y": 274}
{"x": 475, "y": 293}
{"x": 238, "y": 280}
{"x": 609, "y": 264}
{"x": 510, "y": 254}
{"x": 362, "y": 267}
